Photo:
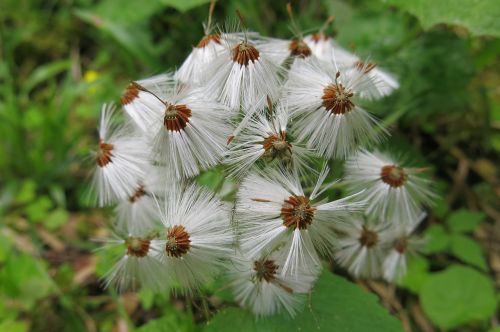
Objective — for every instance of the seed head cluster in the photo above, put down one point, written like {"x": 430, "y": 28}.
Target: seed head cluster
{"x": 267, "y": 113}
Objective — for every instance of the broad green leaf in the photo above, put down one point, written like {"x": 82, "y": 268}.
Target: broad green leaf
{"x": 437, "y": 239}
{"x": 456, "y": 296}
{"x": 25, "y": 279}
{"x": 184, "y": 5}
{"x": 480, "y": 17}
{"x": 364, "y": 30}
{"x": 468, "y": 251}
{"x": 27, "y": 192}
{"x": 336, "y": 305}
{"x": 416, "y": 274}
{"x": 38, "y": 210}
{"x": 464, "y": 220}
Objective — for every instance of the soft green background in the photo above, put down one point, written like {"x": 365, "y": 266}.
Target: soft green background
{"x": 60, "y": 60}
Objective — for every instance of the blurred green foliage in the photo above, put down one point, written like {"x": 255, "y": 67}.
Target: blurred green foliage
{"x": 61, "y": 59}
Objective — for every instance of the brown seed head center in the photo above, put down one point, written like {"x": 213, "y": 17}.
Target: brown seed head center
{"x": 178, "y": 241}
{"x": 137, "y": 247}
{"x": 105, "y": 153}
{"x": 393, "y": 175}
{"x": 265, "y": 269}
{"x": 401, "y": 244}
{"x": 276, "y": 146}
{"x": 368, "y": 238}
{"x": 138, "y": 194}
{"x": 244, "y": 52}
{"x": 366, "y": 67}
{"x": 176, "y": 117}
{"x": 131, "y": 93}
{"x": 297, "y": 212}
{"x": 207, "y": 39}
{"x": 337, "y": 99}
{"x": 299, "y": 48}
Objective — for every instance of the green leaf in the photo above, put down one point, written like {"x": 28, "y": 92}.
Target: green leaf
{"x": 13, "y": 326}
{"x": 127, "y": 12}
{"x": 437, "y": 239}
{"x": 184, "y": 5}
{"x": 336, "y": 305}
{"x": 38, "y": 210}
{"x": 480, "y": 17}
{"x": 173, "y": 319}
{"x": 468, "y": 250}
{"x": 456, "y": 296}
{"x": 416, "y": 274}
{"x": 27, "y": 192}
{"x": 44, "y": 73}
{"x": 25, "y": 279}
{"x": 147, "y": 298}
{"x": 440, "y": 208}
{"x": 5, "y": 247}
{"x": 464, "y": 220}
{"x": 56, "y": 219}
{"x": 135, "y": 39}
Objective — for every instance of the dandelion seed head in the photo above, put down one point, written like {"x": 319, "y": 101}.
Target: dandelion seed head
{"x": 337, "y": 99}
{"x": 140, "y": 191}
{"x": 393, "y": 175}
{"x": 297, "y": 212}
{"x": 277, "y": 147}
{"x": 265, "y": 270}
{"x": 137, "y": 247}
{"x": 176, "y": 117}
{"x": 401, "y": 244}
{"x": 299, "y": 48}
{"x": 214, "y": 37}
{"x": 368, "y": 237}
{"x": 245, "y": 52}
{"x": 105, "y": 153}
{"x": 178, "y": 241}
{"x": 131, "y": 93}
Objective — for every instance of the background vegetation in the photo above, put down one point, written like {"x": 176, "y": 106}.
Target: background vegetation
{"x": 60, "y": 59}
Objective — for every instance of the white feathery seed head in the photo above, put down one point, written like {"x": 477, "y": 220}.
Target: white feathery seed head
{"x": 139, "y": 211}
{"x": 266, "y": 142}
{"x": 136, "y": 265}
{"x": 377, "y": 82}
{"x": 380, "y": 82}
{"x": 325, "y": 48}
{"x": 273, "y": 211}
{"x": 195, "y": 68}
{"x": 361, "y": 246}
{"x": 403, "y": 243}
{"x": 243, "y": 75}
{"x": 196, "y": 237}
{"x": 140, "y": 99}
{"x": 393, "y": 191}
{"x": 326, "y": 112}
{"x": 187, "y": 130}
{"x": 259, "y": 284}
{"x": 121, "y": 159}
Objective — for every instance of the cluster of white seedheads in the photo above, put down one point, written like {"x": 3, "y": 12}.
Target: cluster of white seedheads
{"x": 269, "y": 111}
